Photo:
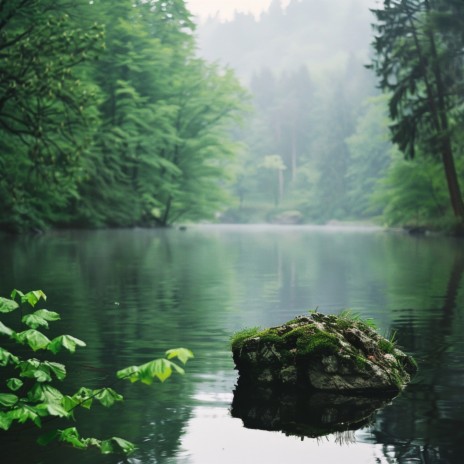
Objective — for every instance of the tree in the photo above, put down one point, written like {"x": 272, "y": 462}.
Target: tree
{"x": 326, "y": 188}
{"x": 275, "y": 165}
{"x": 412, "y": 60}
{"x": 139, "y": 137}
{"x": 46, "y": 108}
{"x": 133, "y": 77}
{"x": 371, "y": 153}
{"x": 161, "y": 152}
{"x": 208, "y": 100}
{"x": 282, "y": 123}
{"x": 412, "y": 194}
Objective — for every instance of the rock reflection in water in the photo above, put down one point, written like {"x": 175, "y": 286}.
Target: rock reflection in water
{"x": 302, "y": 413}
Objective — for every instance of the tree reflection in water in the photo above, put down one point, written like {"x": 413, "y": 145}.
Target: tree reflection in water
{"x": 426, "y": 424}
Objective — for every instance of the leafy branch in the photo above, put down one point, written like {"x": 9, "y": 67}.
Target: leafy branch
{"x": 33, "y": 398}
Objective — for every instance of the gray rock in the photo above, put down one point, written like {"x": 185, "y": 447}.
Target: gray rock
{"x": 320, "y": 352}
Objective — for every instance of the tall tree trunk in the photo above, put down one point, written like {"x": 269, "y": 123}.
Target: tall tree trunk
{"x": 437, "y": 105}
{"x": 444, "y": 137}
{"x": 452, "y": 180}
{"x": 281, "y": 185}
{"x": 167, "y": 211}
{"x": 294, "y": 153}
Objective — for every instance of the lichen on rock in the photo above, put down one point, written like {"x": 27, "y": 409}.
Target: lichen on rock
{"x": 322, "y": 352}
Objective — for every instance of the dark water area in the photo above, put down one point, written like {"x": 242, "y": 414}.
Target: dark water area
{"x": 132, "y": 294}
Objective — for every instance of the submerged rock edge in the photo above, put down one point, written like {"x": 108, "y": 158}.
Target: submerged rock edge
{"x": 322, "y": 352}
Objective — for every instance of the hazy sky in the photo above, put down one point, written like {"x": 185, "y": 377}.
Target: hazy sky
{"x": 226, "y": 8}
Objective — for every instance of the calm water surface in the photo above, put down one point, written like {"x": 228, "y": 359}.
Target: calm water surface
{"x": 132, "y": 294}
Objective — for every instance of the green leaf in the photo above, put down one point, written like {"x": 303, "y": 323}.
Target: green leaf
{"x": 34, "y": 321}
{"x": 34, "y": 296}
{"x": 24, "y": 413}
{"x": 48, "y": 315}
{"x": 5, "y": 421}
{"x": 178, "y": 369}
{"x": 58, "y": 369}
{"x": 16, "y": 292}
{"x": 65, "y": 341}
{"x": 160, "y": 368}
{"x": 40, "y": 318}
{"x": 14, "y": 384}
{"x": 93, "y": 442}
{"x": 44, "y": 392}
{"x": 35, "y": 394}
{"x": 29, "y": 367}
{"x": 53, "y": 409}
{"x": 69, "y": 403}
{"x": 84, "y": 397}
{"x": 107, "y": 396}
{"x": 7, "y": 358}
{"x": 42, "y": 375}
{"x": 5, "y": 330}
{"x": 106, "y": 447}
{"x": 71, "y": 436}
{"x": 30, "y": 297}
{"x": 125, "y": 445}
{"x": 183, "y": 354}
{"x": 35, "y": 339}
{"x": 51, "y": 394}
{"x": 8, "y": 399}
{"x": 6, "y": 306}
{"x": 34, "y": 369}
{"x": 131, "y": 373}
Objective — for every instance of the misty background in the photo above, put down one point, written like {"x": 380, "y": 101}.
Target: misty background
{"x": 140, "y": 113}
{"x": 315, "y": 143}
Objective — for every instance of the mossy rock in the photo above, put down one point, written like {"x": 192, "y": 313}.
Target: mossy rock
{"x": 322, "y": 352}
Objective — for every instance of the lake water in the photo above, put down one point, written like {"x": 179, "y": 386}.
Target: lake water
{"x": 132, "y": 294}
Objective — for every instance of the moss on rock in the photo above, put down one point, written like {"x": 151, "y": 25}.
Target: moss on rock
{"x": 323, "y": 352}
{"x": 239, "y": 338}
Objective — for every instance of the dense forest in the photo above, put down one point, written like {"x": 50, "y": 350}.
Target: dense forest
{"x": 122, "y": 114}
{"x": 108, "y": 117}
{"x": 330, "y": 139}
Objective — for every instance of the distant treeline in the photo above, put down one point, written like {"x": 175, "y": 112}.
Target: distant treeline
{"x": 323, "y": 141}
{"x": 108, "y": 117}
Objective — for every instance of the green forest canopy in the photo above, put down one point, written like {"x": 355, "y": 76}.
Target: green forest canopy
{"x": 109, "y": 117}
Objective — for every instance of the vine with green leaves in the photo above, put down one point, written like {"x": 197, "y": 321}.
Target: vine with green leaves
{"x": 32, "y": 394}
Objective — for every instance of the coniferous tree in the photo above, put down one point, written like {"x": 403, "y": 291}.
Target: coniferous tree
{"x": 412, "y": 61}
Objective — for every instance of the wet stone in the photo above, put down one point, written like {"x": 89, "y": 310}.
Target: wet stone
{"x": 320, "y": 352}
